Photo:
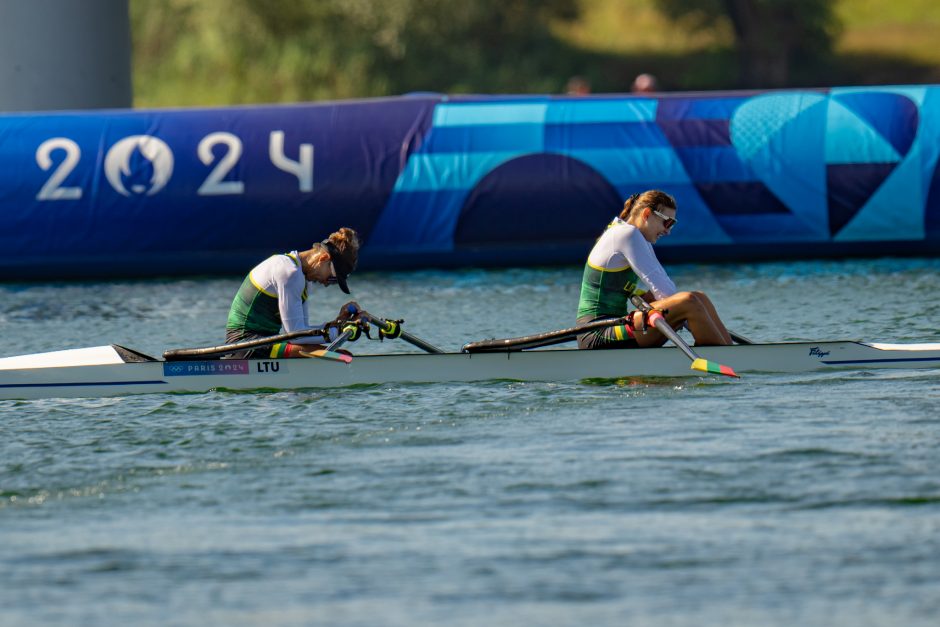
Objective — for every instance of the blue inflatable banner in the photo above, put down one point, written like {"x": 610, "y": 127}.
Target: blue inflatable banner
{"x": 490, "y": 180}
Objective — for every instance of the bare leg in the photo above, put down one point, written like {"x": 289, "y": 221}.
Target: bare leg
{"x": 695, "y": 309}
{"x": 716, "y": 319}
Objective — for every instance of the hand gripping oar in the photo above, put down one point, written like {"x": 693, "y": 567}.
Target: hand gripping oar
{"x": 698, "y": 363}
{"x": 390, "y": 329}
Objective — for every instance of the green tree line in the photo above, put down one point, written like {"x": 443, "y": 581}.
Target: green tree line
{"x": 205, "y": 52}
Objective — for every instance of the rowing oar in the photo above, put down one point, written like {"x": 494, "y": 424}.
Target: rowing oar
{"x": 540, "y": 339}
{"x": 392, "y": 329}
{"x": 350, "y": 332}
{"x": 184, "y": 354}
{"x": 698, "y": 363}
{"x": 740, "y": 339}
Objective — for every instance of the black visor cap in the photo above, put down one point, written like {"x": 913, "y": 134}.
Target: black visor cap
{"x": 342, "y": 265}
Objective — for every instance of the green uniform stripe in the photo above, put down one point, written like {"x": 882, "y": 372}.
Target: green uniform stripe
{"x": 254, "y": 311}
{"x": 606, "y": 292}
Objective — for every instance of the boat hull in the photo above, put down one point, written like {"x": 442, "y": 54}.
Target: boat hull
{"x": 120, "y": 379}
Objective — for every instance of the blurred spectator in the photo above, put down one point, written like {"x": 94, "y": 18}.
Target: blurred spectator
{"x": 578, "y": 86}
{"x": 645, "y": 84}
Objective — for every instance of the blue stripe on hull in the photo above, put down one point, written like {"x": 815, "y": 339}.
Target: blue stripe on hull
{"x": 77, "y": 384}
{"x": 881, "y": 361}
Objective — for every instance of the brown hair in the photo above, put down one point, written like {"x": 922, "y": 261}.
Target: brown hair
{"x": 650, "y": 199}
{"x": 346, "y": 243}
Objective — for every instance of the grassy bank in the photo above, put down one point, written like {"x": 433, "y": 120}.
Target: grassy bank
{"x": 881, "y": 41}
{"x": 207, "y": 52}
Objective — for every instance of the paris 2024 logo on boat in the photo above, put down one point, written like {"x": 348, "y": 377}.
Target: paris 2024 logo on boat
{"x": 131, "y": 156}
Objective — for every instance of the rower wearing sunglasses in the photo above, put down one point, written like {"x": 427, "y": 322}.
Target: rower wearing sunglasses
{"x": 621, "y": 260}
{"x": 274, "y": 296}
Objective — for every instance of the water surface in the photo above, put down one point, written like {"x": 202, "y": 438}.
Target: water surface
{"x": 774, "y": 500}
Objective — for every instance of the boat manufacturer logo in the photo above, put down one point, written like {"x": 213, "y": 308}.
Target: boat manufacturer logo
{"x": 196, "y": 368}
{"x": 815, "y": 351}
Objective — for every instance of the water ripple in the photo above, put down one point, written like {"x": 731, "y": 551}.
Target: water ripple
{"x": 777, "y": 500}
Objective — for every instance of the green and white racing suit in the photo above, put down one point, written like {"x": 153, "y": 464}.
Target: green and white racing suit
{"x": 619, "y": 263}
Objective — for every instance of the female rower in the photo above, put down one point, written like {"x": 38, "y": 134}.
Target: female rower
{"x": 274, "y": 296}
{"x": 622, "y": 257}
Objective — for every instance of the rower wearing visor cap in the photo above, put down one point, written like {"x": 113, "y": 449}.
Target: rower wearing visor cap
{"x": 622, "y": 260}
{"x": 273, "y": 297}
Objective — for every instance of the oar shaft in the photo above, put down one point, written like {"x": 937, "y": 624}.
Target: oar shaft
{"x": 659, "y": 321}
{"x": 540, "y": 339}
{"x": 408, "y": 337}
{"x": 341, "y": 339}
{"x": 419, "y": 343}
{"x": 180, "y": 354}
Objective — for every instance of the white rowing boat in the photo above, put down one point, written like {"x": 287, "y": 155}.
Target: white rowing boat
{"x": 116, "y": 371}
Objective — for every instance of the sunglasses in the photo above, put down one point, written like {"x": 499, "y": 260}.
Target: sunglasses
{"x": 667, "y": 221}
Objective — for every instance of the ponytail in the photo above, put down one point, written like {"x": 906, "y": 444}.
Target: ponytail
{"x": 651, "y": 199}
{"x": 628, "y": 206}
{"x": 345, "y": 239}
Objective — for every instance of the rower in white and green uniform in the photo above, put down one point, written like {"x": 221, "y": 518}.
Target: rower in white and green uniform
{"x": 621, "y": 261}
{"x": 273, "y": 297}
